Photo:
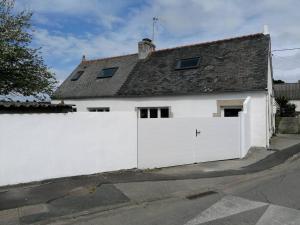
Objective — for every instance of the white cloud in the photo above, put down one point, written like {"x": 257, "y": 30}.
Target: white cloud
{"x": 69, "y": 47}
{"x": 180, "y": 22}
{"x": 101, "y": 12}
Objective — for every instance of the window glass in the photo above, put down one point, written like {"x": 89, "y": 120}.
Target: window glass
{"x": 153, "y": 113}
{"x": 232, "y": 112}
{"x": 187, "y": 63}
{"x": 107, "y": 72}
{"x": 77, "y": 75}
{"x": 164, "y": 113}
{"x": 144, "y": 113}
{"x": 99, "y": 109}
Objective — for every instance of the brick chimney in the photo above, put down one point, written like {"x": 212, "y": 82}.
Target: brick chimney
{"x": 145, "y": 48}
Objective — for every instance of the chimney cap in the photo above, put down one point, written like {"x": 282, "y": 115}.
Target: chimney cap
{"x": 147, "y": 39}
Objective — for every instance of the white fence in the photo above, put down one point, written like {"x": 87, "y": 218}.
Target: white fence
{"x": 177, "y": 141}
{"x": 41, "y": 146}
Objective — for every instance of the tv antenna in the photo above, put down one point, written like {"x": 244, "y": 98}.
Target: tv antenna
{"x": 154, "y": 21}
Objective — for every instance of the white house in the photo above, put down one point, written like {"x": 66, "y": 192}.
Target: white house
{"x": 209, "y": 79}
{"x": 289, "y": 90}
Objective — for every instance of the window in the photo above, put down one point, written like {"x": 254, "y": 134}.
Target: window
{"x": 187, "y": 63}
{"x": 232, "y": 112}
{"x": 107, "y": 72}
{"x": 164, "y": 113}
{"x": 77, "y": 75}
{"x": 98, "y": 109}
{"x": 154, "y": 112}
{"x": 144, "y": 113}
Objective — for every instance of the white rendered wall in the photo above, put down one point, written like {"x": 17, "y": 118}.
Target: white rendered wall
{"x": 173, "y": 141}
{"x": 245, "y": 118}
{"x": 270, "y": 102}
{"x": 190, "y": 106}
{"x": 41, "y": 146}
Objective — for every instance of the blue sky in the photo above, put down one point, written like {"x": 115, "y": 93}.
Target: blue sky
{"x": 67, "y": 29}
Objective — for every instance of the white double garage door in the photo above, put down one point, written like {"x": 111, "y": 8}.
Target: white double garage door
{"x": 177, "y": 141}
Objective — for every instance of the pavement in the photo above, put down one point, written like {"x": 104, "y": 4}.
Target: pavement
{"x": 253, "y": 189}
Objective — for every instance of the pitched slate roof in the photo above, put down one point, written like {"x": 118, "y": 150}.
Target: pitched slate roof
{"x": 230, "y": 65}
{"x": 289, "y": 90}
{"x": 87, "y": 86}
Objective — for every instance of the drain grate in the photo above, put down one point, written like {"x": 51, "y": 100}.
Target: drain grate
{"x": 201, "y": 195}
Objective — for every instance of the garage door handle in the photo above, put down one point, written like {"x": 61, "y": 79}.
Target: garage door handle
{"x": 197, "y": 132}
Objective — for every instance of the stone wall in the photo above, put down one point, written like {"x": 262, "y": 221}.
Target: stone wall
{"x": 288, "y": 125}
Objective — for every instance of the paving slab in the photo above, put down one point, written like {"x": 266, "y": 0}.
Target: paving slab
{"x": 9, "y": 217}
{"x": 245, "y": 218}
{"x": 33, "y": 209}
{"x": 227, "y": 206}
{"x": 78, "y": 200}
{"x": 276, "y": 215}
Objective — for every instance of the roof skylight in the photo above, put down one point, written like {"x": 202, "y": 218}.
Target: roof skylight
{"x": 77, "y": 75}
{"x": 107, "y": 72}
{"x": 189, "y": 63}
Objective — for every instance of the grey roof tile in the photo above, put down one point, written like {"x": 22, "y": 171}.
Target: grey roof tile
{"x": 88, "y": 86}
{"x": 238, "y": 64}
{"x": 289, "y": 90}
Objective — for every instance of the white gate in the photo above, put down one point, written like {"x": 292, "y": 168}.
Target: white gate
{"x": 177, "y": 141}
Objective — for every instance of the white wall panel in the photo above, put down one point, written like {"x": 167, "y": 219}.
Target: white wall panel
{"x": 41, "y": 146}
{"x": 170, "y": 142}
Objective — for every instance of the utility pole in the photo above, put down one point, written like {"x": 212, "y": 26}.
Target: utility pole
{"x": 154, "y": 21}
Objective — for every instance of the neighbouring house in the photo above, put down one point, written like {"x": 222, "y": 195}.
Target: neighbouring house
{"x": 17, "y": 107}
{"x": 210, "y": 79}
{"x": 291, "y": 91}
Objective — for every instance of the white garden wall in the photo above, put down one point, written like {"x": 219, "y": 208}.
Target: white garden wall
{"x": 245, "y": 118}
{"x": 297, "y": 104}
{"x": 170, "y": 142}
{"x": 41, "y": 146}
{"x": 190, "y": 106}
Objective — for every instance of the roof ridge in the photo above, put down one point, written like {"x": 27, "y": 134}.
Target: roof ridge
{"x": 211, "y": 42}
{"x": 112, "y": 57}
{"x": 292, "y": 83}
{"x": 182, "y": 46}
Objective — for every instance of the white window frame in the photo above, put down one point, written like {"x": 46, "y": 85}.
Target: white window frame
{"x": 158, "y": 112}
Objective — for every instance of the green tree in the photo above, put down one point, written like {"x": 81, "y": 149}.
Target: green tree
{"x": 22, "y": 69}
{"x": 286, "y": 109}
{"x": 278, "y": 81}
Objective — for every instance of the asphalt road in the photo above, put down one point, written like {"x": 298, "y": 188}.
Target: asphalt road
{"x": 270, "y": 197}
{"x": 266, "y": 192}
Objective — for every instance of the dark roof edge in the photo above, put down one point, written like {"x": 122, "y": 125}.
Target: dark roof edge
{"x": 289, "y": 83}
{"x": 106, "y": 58}
{"x": 162, "y": 95}
{"x": 214, "y": 42}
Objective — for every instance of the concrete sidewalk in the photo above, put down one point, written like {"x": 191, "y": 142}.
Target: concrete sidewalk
{"x": 40, "y": 201}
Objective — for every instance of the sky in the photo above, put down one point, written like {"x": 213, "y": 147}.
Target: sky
{"x": 68, "y": 29}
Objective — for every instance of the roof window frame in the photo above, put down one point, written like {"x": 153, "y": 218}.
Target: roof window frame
{"x": 178, "y": 63}
{"x": 77, "y": 75}
{"x": 100, "y": 75}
